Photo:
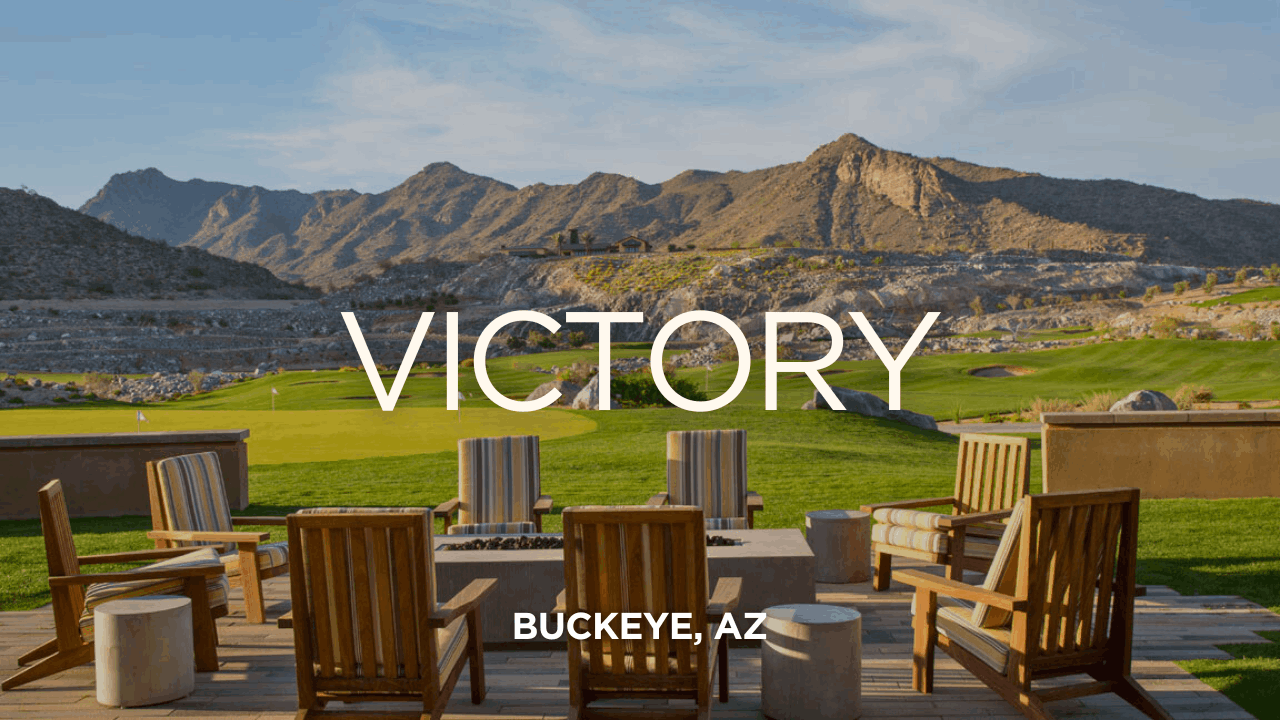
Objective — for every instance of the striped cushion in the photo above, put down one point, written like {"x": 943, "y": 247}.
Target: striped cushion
{"x": 499, "y": 479}
{"x": 991, "y": 645}
{"x": 99, "y": 593}
{"x": 909, "y": 518}
{"x": 735, "y": 523}
{"x": 193, "y": 495}
{"x": 272, "y": 555}
{"x": 1002, "y": 577}
{"x": 708, "y": 469}
{"x": 510, "y": 528}
{"x": 929, "y": 541}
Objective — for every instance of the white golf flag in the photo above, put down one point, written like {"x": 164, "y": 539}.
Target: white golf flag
{"x": 275, "y": 391}
{"x": 461, "y": 396}
{"x": 142, "y": 418}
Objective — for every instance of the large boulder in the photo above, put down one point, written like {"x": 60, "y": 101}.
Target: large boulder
{"x": 568, "y": 391}
{"x": 588, "y": 398}
{"x": 864, "y": 403}
{"x": 1144, "y": 401}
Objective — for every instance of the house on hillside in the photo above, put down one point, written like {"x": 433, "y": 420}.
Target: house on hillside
{"x": 630, "y": 244}
{"x": 525, "y": 251}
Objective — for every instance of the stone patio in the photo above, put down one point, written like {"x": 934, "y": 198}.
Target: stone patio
{"x": 257, "y": 675}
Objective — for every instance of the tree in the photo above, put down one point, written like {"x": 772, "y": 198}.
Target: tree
{"x": 559, "y": 240}
{"x": 1210, "y": 281}
{"x": 587, "y": 240}
{"x": 1241, "y": 276}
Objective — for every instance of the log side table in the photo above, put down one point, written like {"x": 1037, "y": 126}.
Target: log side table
{"x": 841, "y": 544}
{"x": 811, "y": 663}
{"x": 143, "y": 650}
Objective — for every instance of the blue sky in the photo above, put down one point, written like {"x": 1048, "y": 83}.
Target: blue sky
{"x": 363, "y": 94}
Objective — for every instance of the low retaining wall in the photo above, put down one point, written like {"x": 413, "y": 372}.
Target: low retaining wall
{"x": 1183, "y": 454}
{"x": 105, "y": 475}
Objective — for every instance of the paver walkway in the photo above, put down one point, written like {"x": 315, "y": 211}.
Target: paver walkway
{"x": 256, "y": 679}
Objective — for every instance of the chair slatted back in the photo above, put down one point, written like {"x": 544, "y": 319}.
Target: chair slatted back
{"x": 363, "y": 589}
{"x": 59, "y": 544}
{"x": 992, "y": 473}
{"x": 708, "y": 469}
{"x": 499, "y": 479}
{"x": 188, "y": 494}
{"x": 1079, "y": 557}
{"x": 644, "y": 560}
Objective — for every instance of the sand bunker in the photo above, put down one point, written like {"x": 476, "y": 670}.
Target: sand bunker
{"x": 1000, "y": 371}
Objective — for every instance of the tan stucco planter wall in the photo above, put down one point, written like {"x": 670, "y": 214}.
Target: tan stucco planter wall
{"x": 1182, "y": 454}
{"x": 105, "y": 475}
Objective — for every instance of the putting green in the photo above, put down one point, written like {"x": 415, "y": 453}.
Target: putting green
{"x": 290, "y": 436}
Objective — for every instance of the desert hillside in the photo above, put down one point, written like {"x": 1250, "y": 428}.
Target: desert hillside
{"x": 848, "y": 194}
{"x": 48, "y": 251}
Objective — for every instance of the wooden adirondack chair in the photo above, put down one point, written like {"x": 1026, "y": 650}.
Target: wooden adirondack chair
{"x": 196, "y": 574}
{"x": 992, "y": 473}
{"x": 189, "y": 509}
{"x": 643, "y": 560}
{"x": 366, "y": 624}
{"x": 499, "y": 487}
{"x": 1057, "y": 601}
{"x": 708, "y": 469}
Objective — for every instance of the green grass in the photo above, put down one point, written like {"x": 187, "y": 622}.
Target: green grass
{"x": 1250, "y": 680}
{"x": 1262, "y": 294}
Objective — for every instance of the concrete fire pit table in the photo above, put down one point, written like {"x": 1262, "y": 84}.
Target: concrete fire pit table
{"x": 776, "y": 567}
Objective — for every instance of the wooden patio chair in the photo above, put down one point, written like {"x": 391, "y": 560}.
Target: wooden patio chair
{"x": 366, "y": 624}
{"x": 1057, "y": 601}
{"x": 189, "y": 509}
{"x": 499, "y": 488}
{"x": 708, "y": 469}
{"x": 992, "y": 473}
{"x": 643, "y": 560}
{"x": 196, "y": 574}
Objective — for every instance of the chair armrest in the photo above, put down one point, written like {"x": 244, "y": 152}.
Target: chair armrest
{"x": 951, "y": 588}
{"x": 135, "y": 556}
{"x": 562, "y": 601}
{"x": 217, "y": 537}
{"x": 465, "y": 601}
{"x": 659, "y": 499}
{"x": 950, "y": 521}
{"x": 754, "y": 501}
{"x": 259, "y": 520}
{"x": 446, "y": 508}
{"x": 165, "y": 573}
{"x": 725, "y": 598}
{"x": 285, "y": 621}
{"x": 909, "y": 504}
{"x": 543, "y": 505}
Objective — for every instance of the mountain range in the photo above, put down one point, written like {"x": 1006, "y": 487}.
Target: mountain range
{"x": 848, "y": 194}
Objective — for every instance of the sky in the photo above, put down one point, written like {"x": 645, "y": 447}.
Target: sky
{"x": 361, "y": 95}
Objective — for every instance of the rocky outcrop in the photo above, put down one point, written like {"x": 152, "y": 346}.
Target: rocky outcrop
{"x": 568, "y": 391}
{"x": 1144, "y": 401}
{"x": 864, "y": 403}
{"x": 589, "y": 397}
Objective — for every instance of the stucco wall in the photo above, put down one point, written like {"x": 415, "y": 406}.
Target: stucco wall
{"x": 1193, "y": 454}
{"x": 105, "y": 474}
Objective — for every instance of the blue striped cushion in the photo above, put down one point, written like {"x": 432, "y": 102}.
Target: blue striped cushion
{"x": 735, "y": 523}
{"x": 511, "y": 528}
{"x": 708, "y": 469}
{"x": 271, "y": 555}
{"x": 193, "y": 495}
{"x": 499, "y": 479}
{"x": 98, "y": 593}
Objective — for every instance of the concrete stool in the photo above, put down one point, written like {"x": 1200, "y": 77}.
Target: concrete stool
{"x": 811, "y": 662}
{"x": 841, "y": 544}
{"x": 143, "y": 650}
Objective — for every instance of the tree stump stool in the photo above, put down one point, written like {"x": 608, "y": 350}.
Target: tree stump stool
{"x": 811, "y": 663}
{"x": 143, "y": 650}
{"x": 841, "y": 544}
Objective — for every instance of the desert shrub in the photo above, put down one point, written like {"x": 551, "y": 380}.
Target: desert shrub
{"x": 516, "y": 343}
{"x": 640, "y": 390}
{"x": 1244, "y": 405}
{"x": 992, "y": 418}
{"x": 1187, "y": 395}
{"x": 1099, "y": 401}
{"x": 1272, "y": 273}
{"x": 1249, "y": 329}
{"x": 976, "y": 306}
{"x": 1164, "y": 328}
{"x": 195, "y": 377}
{"x": 60, "y": 399}
{"x": 15, "y": 400}
{"x": 579, "y": 373}
{"x": 195, "y": 272}
{"x": 1014, "y": 301}
{"x": 547, "y": 342}
{"x": 1241, "y": 276}
{"x": 1047, "y": 405}
{"x": 1150, "y": 294}
{"x": 1180, "y": 287}
{"x": 1028, "y": 303}
{"x": 1122, "y": 294}
{"x": 577, "y": 338}
{"x": 1210, "y": 282}
{"x": 1275, "y": 330}
{"x": 671, "y": 247}
{"x": 98, "y": 383}
{"x": 468, "y": 362}
{"x": 1095, "y": 297}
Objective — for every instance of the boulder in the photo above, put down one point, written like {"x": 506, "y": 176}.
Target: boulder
{"x": 1144, "y": 401}
{"x": 588, "y": 398}
{"x": 864, "y": 403}
{"x": 568, "y": 391}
